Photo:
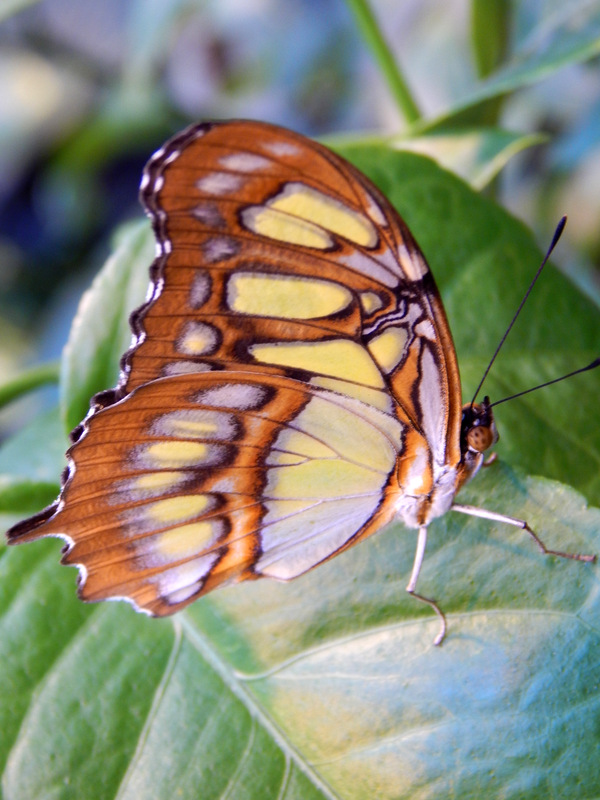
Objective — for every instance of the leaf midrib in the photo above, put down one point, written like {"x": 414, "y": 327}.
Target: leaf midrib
{"x": 256, "y": 711}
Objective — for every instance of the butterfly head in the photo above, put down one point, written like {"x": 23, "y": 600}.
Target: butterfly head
{"x": 478, "y": 433}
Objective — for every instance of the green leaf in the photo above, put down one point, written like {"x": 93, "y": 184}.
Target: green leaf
{"x": 37, "y": 451}
{"x": 30, "y": 464}
{"x": 490, "y": 24}
{"x": 330, "y": 686}
{"x": 490, "y": 21}
{"x": 324, "y": 687}
{"x": 100, "y": 333}
{"x": 28, "y": 381}
{"x": 23, "y": 496}
{"x": 476, "y": 156}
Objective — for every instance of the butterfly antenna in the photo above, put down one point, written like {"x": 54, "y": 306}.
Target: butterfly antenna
{"x": 593, "y": 365}
{"x": 557, "y": 234}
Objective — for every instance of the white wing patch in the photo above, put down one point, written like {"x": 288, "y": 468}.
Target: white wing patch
{"x": 292, "y": 546}
{"x": 341, "y": 453}
{"x": 432, "y": 407}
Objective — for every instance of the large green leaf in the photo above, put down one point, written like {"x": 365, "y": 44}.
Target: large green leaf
{"x": 476, "y": 155}
{"x": 326, "y": 687}
{"x": 330, "y": 686}
{"x": 30, "y": 465}
{"x": 100, "y": 332}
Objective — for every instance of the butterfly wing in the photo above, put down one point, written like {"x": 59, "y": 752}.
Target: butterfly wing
{"x": 249, "y": 475}
{"x": 292, "y": 378}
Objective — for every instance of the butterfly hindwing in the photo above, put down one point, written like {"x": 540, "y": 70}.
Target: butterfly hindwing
{"x": 247, "y": 476}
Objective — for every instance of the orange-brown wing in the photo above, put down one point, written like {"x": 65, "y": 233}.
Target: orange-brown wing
{"x": 293, "y": 375}
{"x": 247, "y": 476}
{"x": 254, "y": 222}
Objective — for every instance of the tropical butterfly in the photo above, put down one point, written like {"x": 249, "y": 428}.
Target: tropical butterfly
{"x": 292, "y": 386}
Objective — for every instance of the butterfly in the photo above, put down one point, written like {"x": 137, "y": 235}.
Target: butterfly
{"x": 291, "y": 389}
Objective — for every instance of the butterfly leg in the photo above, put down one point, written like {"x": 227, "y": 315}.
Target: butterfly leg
{"x": 520, "y": 523}
{"x": 412, "y": 584}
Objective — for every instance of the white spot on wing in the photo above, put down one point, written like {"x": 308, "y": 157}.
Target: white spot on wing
{"x": 244, "y": 162}
{"x": 144, "y": 488}
{"x": 281, "y": 148}
{"x": 219, "y": 183}
{"x": 181, "y": 582}
{"x": 374, "y": 211}
{"x": 208, "y": 214}
{"x": 425, "y": 328}
{"x": 233, "y": 395}
{"x": 432, "y": 407}
{"x": 200, "y": 289}
{"x": 369, "y": 266}
{"x": 184, "y": 367}
{"x": 219, "y": 248}
{"x": 412, "y": 263}
{"x": 173, "y": 156}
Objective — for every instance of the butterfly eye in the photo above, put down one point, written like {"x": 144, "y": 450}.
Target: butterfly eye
{"x": 481, "y": 437}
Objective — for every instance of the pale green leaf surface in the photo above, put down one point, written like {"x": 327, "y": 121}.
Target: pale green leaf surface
{"x": 100, "y": 332}
{"x": 9, "y": 8}
{"x": 330, "y": 686}
{"x": 37, "y": 451}
{"x": 31, "y": 463}
{"x": 331, "y": 681}
{"x": 567, "y": 32}
{"x": 477, "y": 155}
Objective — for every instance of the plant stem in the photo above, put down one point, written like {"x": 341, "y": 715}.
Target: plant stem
{"x": 372, "y": 35}
{"x": 490, "y": 20}
{"x": 28, "y": 381}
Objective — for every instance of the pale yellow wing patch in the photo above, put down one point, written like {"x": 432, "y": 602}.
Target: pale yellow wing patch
{"x": 285, "y": 296}
{"x": 304, "y": 202}
{"x": 340, "y": 358}
{"x": 274, "y": 224}
{"x": 316, "y": 504}
{"x": 389, "y": 348}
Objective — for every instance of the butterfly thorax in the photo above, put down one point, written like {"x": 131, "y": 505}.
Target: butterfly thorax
{"x": 428, "y": 491}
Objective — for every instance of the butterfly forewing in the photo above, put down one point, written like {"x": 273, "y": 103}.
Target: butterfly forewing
{"x": 270, "y": 239}
{"x": 292, "y": 382}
